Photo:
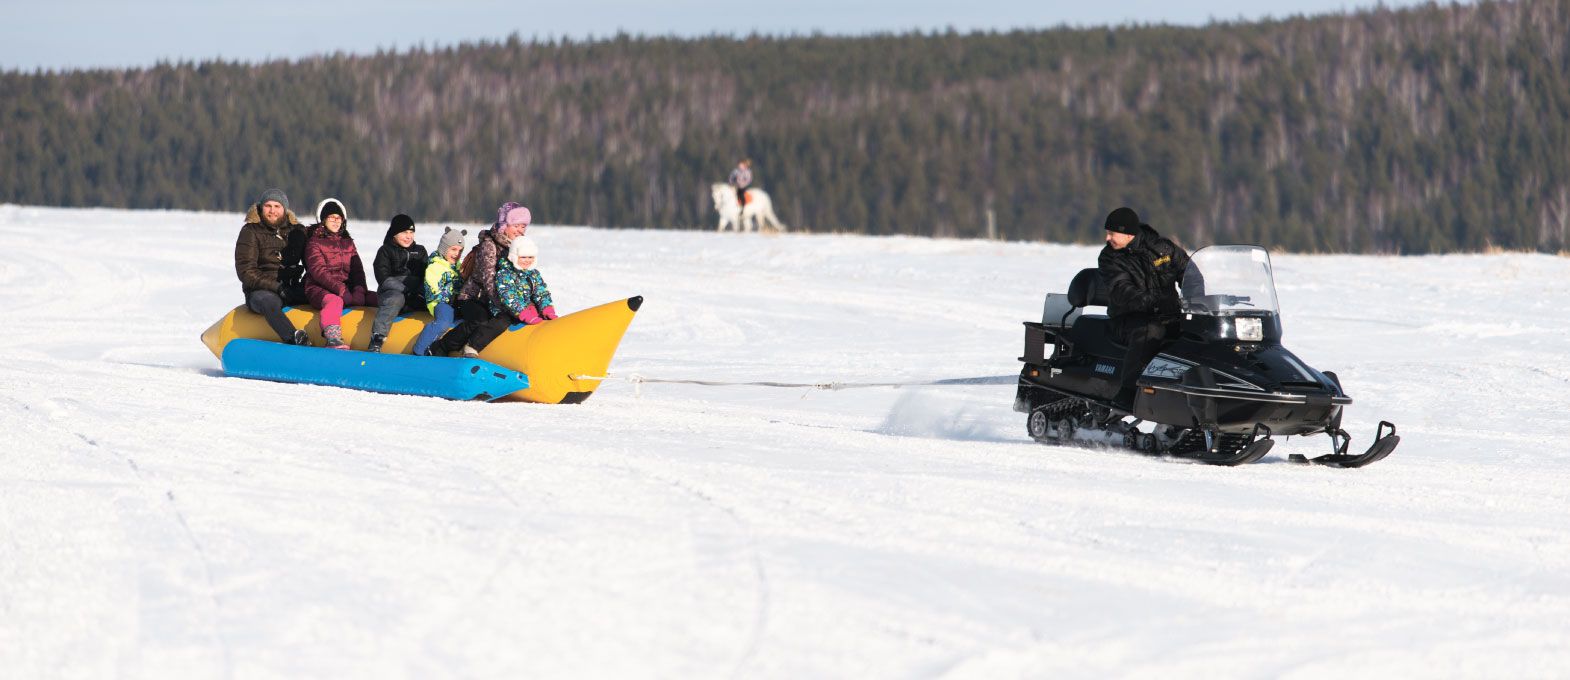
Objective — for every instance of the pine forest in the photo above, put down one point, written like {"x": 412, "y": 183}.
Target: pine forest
{"x": 1439, "y": 128}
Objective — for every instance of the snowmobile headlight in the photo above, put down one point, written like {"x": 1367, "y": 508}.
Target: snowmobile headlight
{"x": 1249, "y": 328}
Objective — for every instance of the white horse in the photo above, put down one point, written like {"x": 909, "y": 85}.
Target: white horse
{"x": 759, "y": 210}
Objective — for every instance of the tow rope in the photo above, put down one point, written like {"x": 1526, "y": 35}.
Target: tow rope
{"x": 638, "y": 380}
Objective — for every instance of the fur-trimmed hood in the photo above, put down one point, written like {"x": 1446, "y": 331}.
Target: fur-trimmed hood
{"x": 254, "y": 215}
{"x": 341, "y": 207}
{"x": 319, "y": 229}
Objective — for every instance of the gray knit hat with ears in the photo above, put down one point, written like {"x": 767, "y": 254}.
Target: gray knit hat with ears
{"x": 449, "y": 239}
{"x": 274, "y": 194}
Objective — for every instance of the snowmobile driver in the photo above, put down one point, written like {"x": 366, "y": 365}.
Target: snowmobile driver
{"x": 1139, "y": 269}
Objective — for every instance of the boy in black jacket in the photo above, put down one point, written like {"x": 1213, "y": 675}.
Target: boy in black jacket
{"x": 399, "y": 268}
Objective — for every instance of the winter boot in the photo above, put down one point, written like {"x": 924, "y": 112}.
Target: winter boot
{"x": 334, "y": 336}
{"x": 301, "y": 338}
{"x": 376, "y": 344}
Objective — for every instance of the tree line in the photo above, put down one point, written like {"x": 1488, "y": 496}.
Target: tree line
{"x": 1430, "y": 129}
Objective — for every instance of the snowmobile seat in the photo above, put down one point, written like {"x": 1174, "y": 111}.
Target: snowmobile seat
{"x": 1087, "y": 289}
{"x": 1091, "y": 332}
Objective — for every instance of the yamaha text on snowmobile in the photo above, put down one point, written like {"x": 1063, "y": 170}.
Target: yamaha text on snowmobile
{"x": 1216, "y": 393}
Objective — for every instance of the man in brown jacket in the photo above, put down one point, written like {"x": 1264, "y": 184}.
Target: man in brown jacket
{"x": 268, "y": 258}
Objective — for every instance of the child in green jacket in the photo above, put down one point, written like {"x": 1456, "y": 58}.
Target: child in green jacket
{"x": 441, "y": 284}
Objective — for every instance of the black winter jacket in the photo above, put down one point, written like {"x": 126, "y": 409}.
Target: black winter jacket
{"x": 1140, "y": 278}
{"x": 397, "y": 262}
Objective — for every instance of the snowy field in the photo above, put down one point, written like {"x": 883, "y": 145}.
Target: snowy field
{"x": 158, "y": 519}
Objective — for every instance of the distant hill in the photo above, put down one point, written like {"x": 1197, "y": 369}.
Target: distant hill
{"x": 1439, "y": 128}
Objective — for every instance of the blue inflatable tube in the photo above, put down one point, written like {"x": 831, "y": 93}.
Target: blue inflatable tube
{"x": 448, "y": 378}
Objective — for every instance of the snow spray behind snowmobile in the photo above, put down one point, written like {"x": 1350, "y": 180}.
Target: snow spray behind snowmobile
{"x": 1217, "y": 393}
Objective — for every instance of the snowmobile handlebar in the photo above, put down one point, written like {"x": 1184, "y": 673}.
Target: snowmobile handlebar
{"x": 1209, "y": 304}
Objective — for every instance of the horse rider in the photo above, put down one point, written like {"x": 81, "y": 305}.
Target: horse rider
{"x": 740, "y": 178}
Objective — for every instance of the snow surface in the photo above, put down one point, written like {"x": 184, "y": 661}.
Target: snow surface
{"x": 161, "y": 520}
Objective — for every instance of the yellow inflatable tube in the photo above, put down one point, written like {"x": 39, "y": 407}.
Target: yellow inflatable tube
{"x": 556, "y": 355}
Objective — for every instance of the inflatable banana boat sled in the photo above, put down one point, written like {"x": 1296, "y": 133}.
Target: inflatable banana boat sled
{"x": 563, "y": 359}
{"x": 448, "y": 378}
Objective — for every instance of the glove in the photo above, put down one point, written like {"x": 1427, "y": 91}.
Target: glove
{"x": 549, "y": 312}
{"x": 1149, "y": 303}
{"x": 529, "y": 317}
{"x": 1168, "y": 306}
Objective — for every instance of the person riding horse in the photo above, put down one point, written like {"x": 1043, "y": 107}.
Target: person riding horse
{"x": 740, "y": 178}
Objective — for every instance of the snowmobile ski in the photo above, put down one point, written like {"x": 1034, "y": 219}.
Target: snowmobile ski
{"x": 1383, "y": 444}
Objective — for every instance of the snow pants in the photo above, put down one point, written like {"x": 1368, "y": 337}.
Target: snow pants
{"x": 1144, "y": 334}
{"x": 270, "y": 305}
{"x": 392, "y": 301}
{"x": 434, "y": 329}
{"x": 478, "y": 328}
{"x": 332, "y": 305}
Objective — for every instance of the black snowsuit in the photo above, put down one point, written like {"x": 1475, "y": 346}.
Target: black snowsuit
{"x": 1142, "y": 300}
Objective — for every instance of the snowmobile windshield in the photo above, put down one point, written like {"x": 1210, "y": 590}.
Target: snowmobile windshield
{"x": 1228, "y": 281}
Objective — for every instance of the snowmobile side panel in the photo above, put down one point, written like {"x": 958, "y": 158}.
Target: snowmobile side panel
{"x": 1265, "y": 397}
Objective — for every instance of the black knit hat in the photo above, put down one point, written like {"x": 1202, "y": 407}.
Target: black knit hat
{"x": 400, "y": 223}
{"x": 1123, "y": 221}
{"x": 331, "y": 207}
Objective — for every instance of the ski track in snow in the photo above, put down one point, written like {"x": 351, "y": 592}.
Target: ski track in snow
{"x": 161, "y": 520}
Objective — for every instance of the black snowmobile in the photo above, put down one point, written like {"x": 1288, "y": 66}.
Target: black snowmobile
{"x": 1217, "y": 393}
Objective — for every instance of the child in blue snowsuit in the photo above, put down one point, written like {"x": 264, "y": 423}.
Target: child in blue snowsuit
{"x": 520, "y": 289}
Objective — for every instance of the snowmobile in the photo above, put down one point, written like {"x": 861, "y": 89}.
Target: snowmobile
{"x": 1218, "y": 393}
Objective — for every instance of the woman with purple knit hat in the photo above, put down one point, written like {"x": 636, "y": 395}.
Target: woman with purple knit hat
{"x": 479, "y": 284}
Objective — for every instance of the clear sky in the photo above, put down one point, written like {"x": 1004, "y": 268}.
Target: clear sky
{"x": 68, "y": 34}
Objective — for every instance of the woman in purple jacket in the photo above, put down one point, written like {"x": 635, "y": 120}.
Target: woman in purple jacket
{"x": 334, "y": 275}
